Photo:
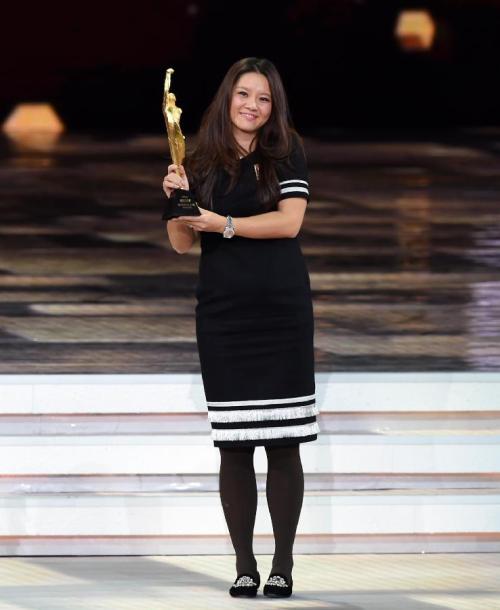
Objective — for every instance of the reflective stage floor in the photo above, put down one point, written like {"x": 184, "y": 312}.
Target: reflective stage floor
{"x": 401, "y": 239}
{"x": 341, "y": 582}
{"x": 402, "y": 244}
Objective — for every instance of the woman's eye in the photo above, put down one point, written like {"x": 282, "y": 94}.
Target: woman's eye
{"x": 264, "y": 99}
{"x": 242, "y": 92}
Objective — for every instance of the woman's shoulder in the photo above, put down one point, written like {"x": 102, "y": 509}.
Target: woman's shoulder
{"x": 294, "y": 160}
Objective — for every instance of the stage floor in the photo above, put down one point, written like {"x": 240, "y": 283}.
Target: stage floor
{"x": 401, "y": 239}
{"x": 342, "y": 582}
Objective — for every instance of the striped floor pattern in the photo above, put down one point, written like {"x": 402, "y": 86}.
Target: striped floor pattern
{"x": 345, "y": 582}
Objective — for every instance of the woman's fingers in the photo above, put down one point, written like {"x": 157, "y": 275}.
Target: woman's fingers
{"x": 173, "y": 167}
{"x": 186, "y": 223}
{"x": 177, "y": 169}
{"x": 179, "y": 172}
{"x": 173, "y": 181}
{"x": 170, "y": 182}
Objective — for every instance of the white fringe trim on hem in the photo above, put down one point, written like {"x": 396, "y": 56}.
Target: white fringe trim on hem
{"x": 248, "y": 415}
{"x": 267, "y": 401}
{"x": 253, "y": 434}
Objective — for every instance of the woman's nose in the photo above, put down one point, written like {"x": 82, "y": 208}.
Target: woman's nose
{"x": 251, "y": 103}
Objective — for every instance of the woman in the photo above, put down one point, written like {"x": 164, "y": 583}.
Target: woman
{"x": 254, "y": 316}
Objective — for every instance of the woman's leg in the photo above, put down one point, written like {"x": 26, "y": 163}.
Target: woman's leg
{"x": 285, "y": 492}
{"x": 238, "y": 492}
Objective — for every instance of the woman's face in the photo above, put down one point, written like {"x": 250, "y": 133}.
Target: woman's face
{"x": 251, "y": 103}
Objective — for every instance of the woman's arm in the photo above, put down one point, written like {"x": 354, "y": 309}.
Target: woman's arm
{"x": 284, "y": 222}
{"x": 181, "y": 237}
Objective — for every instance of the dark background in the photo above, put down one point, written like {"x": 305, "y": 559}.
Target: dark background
{"x": 102, "y": 64}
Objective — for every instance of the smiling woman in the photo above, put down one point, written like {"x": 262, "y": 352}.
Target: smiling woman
{"x": 250, "y": 107}
{"x": 254, "y": 317}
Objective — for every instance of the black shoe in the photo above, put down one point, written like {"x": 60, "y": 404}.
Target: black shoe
{"x": 277, "y": 586}
{"x": 245, "y": 585}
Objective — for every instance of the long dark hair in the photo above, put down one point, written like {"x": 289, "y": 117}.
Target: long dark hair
{"x": 217, "y": 148}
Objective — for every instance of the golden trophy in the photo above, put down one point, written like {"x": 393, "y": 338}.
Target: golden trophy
{"x": 180, "y": 202}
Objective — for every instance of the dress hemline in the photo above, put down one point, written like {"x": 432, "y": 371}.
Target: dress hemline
{"x": 267, "y": 441}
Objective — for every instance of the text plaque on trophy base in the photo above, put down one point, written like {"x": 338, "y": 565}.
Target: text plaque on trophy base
{"x": 180, "y": 203}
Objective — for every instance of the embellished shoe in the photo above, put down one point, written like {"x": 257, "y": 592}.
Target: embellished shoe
{"x": 245, "y": 585}
{"x": 277, "y": 586}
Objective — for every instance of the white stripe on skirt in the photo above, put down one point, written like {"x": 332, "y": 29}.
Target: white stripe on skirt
{"x": 252, "y": 434}
{"x": 245, "y": 415}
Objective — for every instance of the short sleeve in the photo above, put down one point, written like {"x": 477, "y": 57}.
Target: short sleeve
{"x": 293, "y": 175}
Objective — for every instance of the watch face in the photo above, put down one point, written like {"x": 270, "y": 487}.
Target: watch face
{"x": 228, "y": 232}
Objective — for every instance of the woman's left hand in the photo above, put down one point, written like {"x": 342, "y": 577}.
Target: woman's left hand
{"x": 207, "y": 221}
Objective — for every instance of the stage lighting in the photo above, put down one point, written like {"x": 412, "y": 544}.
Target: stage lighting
{"x": 33, "y": 118}
{"x": 33, "y": 126}
{"x": 415, "y": 30}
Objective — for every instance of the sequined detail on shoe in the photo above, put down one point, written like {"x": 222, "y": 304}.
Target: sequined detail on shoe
{"x": 276, "y": 580}
{"x": 245, "y": 581}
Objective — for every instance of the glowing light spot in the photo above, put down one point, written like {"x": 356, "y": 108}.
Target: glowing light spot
{"x": 31, "y": 118}
{"x": 33, "y": 126}
{"x": 415, "y": 30}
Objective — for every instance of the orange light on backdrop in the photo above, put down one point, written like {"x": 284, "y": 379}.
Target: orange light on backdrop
{"x": 33, "y": 126}
{"x": 30, "y": 117}
{"x": 415, "y": 30}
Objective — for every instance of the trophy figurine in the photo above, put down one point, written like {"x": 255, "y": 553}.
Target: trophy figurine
{"x": 180, "y": 202}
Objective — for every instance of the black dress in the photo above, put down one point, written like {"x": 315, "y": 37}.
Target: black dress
{"x": 254, "y": 321}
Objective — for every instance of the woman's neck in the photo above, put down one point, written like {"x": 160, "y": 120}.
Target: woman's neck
{"x": 246, "y": 142}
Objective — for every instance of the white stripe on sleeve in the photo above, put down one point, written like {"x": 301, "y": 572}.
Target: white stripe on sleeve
{"x": 295, "y": 189}
{"x": 288, "y": 181}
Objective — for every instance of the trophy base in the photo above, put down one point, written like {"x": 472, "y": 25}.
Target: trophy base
{"x": 181, "y": 203}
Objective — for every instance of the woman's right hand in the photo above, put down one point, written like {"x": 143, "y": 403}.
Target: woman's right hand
{"x": 173, "y": 180}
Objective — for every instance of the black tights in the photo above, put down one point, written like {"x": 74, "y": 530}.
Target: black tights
{"x": 284, "y": 492}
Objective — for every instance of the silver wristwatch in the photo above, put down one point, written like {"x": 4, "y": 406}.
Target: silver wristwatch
{"x": 229, "y": 228}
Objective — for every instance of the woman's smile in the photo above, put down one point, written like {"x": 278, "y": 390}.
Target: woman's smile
{"x": 248, "y": 116}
